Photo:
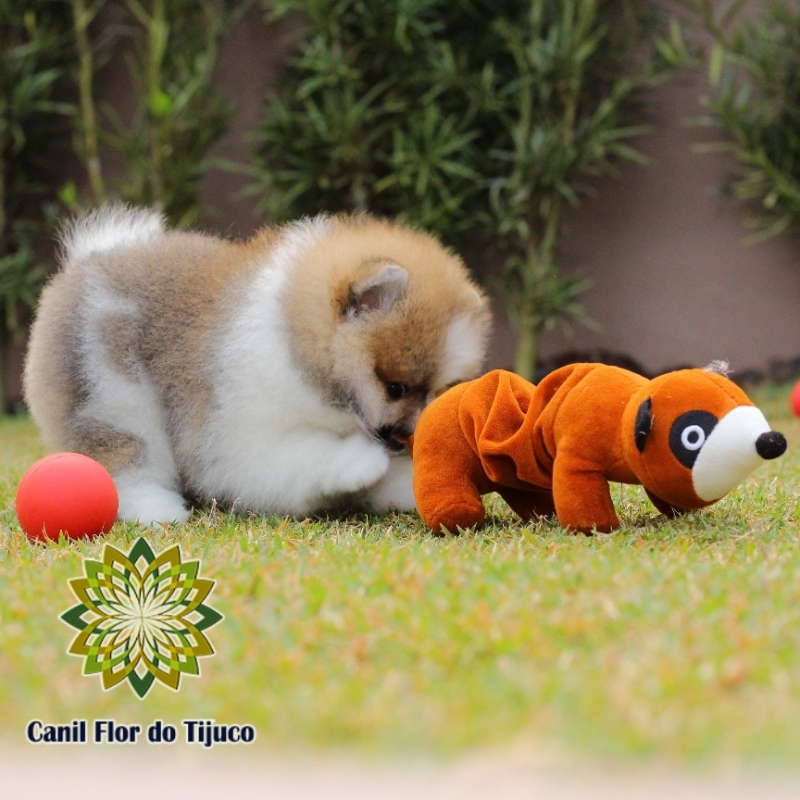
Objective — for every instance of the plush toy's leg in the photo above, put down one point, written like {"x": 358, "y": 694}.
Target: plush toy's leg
{"x": 667, "y": 509}
{"x": 582, "y": 497}
{"x": 446, "y": 474}
{"x": 449, "y": 500}
{"x": 529, "y": 503}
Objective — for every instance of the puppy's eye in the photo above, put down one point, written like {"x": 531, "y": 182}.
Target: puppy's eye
{"x": 396, "y": 391}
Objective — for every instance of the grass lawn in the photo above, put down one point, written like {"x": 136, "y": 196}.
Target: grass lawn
{"x": 677, "y": 640}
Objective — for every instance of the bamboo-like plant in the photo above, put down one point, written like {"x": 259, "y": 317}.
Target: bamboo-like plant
{"x": 87, "y": 132}
{"x": 34, "y": 55}
{"x": 754, "y": 69}
{"x": 571, "y": 77}
{"x": 476, "y": 119}
{"x": 172, "y": 52}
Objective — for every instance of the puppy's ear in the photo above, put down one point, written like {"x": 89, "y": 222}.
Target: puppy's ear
{"x": 379, "y": 292}
{"x": 644, "y": 421}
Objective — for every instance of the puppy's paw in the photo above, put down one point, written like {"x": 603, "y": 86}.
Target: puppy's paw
{"x": 361, "y": 463}
{"x": 150, "y": 503}
{"x": 394, "y": 491}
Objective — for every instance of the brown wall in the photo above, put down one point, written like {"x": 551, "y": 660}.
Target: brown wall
{"x": 672, "y": 280}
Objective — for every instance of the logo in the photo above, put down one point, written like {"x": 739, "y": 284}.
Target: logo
{"x": 141, "y": 617}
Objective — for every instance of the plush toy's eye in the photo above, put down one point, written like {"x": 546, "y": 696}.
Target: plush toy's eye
{"x": 689, "y": 433}
{"x": 693, "y": 437}
{"x": 396, "y": 391}
{"x": 644, "y": 421}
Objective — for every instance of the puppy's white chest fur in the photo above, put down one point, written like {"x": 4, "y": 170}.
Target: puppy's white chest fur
{"x": 269, "y": 426}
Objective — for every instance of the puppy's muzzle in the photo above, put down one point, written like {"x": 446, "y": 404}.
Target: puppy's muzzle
{"x": 393, "y": 437}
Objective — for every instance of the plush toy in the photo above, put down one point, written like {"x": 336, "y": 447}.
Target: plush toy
{"x": 688, "y": 437}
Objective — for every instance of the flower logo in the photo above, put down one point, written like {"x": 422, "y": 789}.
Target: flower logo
{"x": 141, "y": 617}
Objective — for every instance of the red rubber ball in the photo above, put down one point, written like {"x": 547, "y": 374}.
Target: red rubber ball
{"x": 794, "y": 400}
{"x": 66, "y": 493}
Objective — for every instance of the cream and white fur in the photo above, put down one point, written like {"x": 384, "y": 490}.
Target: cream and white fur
{"x": 278, "y": 375}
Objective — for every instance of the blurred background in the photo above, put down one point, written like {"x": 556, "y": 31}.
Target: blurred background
{"x": 623, "y": 177}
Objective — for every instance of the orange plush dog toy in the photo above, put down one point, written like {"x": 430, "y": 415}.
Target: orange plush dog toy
{"x": 688, "y": 437}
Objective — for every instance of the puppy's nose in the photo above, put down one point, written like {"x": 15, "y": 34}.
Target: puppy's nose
{"x": 771, "y": 445}
{"x": 394, "y": 437}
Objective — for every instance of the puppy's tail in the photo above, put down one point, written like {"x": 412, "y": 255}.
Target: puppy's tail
{"x": 111, "y": 226}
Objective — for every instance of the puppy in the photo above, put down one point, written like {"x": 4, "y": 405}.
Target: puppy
{"x": 280, "y": 375}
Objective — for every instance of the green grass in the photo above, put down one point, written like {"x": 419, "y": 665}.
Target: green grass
{"x": 676, "y": 640}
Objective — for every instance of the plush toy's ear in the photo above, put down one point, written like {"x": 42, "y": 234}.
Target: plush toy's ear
{"x": 644, "y": 421}
{"x": 379, "y": 292}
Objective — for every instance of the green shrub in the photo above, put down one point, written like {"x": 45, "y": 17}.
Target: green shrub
{"x": 755, "y": 75}
{"x": 48, "y": 60}
{"x": 474, "y": 119}
{"x": 34, "y": 56}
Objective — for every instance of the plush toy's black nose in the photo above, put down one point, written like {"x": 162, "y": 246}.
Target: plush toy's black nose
{"x": 771, "y": 445}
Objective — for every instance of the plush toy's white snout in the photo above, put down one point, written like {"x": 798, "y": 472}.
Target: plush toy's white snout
{"x": 739, "y": 442}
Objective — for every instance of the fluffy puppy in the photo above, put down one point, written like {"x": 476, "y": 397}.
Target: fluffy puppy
{"x": 283, "y": 374}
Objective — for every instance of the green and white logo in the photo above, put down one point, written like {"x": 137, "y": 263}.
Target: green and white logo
{"x": 141, "y": 617}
